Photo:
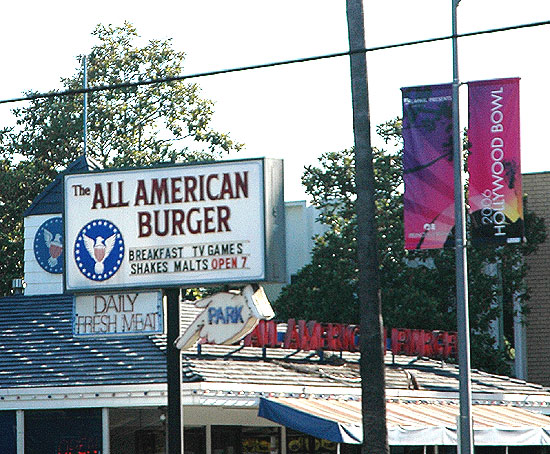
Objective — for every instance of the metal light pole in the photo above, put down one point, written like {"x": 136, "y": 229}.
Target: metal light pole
{"x": 463, "y": 328}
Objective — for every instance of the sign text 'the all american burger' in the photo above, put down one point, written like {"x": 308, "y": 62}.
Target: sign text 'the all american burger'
{"x": 186, "y": 223}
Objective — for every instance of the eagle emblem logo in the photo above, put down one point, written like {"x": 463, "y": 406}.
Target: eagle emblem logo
{"x": 99, "y": 250}
{"x": 48, "y": 245}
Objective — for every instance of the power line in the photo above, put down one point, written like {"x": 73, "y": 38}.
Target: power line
{"x": 138, "y": 83}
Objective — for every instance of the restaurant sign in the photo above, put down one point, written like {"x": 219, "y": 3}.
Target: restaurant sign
{"x": 339, "y": 337}
{"x": 124, "y": 313}
{"x": 180, "y": 225}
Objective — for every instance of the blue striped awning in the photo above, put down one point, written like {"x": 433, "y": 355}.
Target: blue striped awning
{"x": 409, "y": 423}
{"x": 334, "y": 420}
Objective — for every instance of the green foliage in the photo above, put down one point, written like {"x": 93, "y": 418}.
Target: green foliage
{"x": 417, "y": 287}
{"x": 165, "y": 122}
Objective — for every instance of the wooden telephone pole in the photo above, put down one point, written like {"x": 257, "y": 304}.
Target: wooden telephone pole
{"x": 375, "y": 434}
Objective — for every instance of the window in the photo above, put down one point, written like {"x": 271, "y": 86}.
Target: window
{"x": 63, "y": 431}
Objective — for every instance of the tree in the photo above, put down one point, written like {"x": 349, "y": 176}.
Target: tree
{"x": 418, "y": 287}
{"x": 164, "y": 122}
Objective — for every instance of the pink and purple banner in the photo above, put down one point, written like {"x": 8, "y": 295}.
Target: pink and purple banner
{"x": 428, "y": 167}
{"x": 495, "y": 194}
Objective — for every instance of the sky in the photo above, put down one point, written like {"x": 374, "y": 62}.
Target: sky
{"x": 295, "y": 112}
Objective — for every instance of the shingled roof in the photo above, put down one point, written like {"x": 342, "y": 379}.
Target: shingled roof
{"x": 276, "y": 366}
{"x": 37, "y": 349}
{"x": 50, "y": 200}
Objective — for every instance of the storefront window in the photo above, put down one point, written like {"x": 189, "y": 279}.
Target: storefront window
{"x": 422, "y": 450}
{"x": 226, "y": 439}
{"x": 299, "y": 443}
{"x": 63, "y": 431}
{"x": 8, "y": 437}
{"x": 143, "y": 431}
{"x": 137, "y": 430}
{"x": 194, "y": 440}
{"x": 260, "y": 440}
{"x": 245, "y": 440}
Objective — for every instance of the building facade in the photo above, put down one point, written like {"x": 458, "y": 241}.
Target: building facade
{"x": 67, "y": 394}
{"x": 61, "y": 394}
{"x": 536, "y": 187}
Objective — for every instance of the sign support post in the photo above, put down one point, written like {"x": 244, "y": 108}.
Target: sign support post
{"x": 173, "y": 373}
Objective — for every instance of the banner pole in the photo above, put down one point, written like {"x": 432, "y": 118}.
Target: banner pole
{"x": 465, "y": 445}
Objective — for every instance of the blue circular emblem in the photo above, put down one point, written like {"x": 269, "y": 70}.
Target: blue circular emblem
{"x": 48, "y": 245}
{"x": 99, "y": 250}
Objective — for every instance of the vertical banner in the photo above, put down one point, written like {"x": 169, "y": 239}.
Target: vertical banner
{"x": 428, "y": 167}
{"x": 495, "y": 194}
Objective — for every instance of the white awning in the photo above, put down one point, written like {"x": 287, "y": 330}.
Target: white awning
{"x": 409, "y": 424}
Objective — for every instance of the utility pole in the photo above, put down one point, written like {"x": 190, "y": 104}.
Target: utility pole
{"x": 465, "y": 443}
{"x": 375, "y": 434}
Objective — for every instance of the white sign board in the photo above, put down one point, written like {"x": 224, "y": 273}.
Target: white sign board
{"x": 124, "y": 313}
{"x": 179, "y": 225}
{"x": 227, "y": 317}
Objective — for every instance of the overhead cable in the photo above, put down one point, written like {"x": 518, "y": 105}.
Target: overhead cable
{"x": 122, "y": 85}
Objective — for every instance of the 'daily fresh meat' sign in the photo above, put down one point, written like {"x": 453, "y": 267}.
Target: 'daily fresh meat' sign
{"x": 118, "y": 314}
{"x": 177, "y": 225}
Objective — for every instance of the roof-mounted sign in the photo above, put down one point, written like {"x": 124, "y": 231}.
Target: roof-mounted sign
{"x": 227, "y": 317}
{"x": 118, "y": 314}
{"x": 178, "y": 225}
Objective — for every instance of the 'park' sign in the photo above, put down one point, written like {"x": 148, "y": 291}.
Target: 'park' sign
{"x": 227, "y": 317}
{"x": 176, "y": 225}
